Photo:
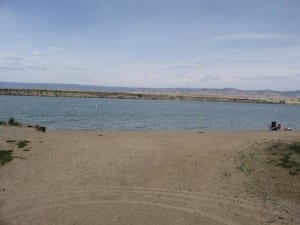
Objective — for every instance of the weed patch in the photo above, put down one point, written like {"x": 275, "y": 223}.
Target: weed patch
{"x": 271, "y": 169}
{"x": 5, "y": 156}
{"x": 295, "y": 147}
{"x": 23, "y": 143}
{"x": 244, "y": 159}
{"x": 13, "y": 122}
{"x": 286, "y": 155}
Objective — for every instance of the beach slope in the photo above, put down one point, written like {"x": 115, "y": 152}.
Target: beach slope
{"x": 149, "y": 178}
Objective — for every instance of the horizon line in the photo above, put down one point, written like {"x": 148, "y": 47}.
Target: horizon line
{"x": 140, "y": 87}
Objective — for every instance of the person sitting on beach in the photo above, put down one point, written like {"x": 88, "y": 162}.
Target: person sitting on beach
{"x": 278, "y": 126}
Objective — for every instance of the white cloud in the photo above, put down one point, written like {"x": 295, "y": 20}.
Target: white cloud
{"x": 53, "y": 48}
{"x": 72, "y": 68}
{"x": 24, "y": 63}
{"x": 212, "y": 77}
{"x": 37, "y": 53}
{"x": 256, "y": 36}
{"x": 262, "y": 78}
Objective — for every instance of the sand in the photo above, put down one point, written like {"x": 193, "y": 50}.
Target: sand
{"x": 134, "y": 178}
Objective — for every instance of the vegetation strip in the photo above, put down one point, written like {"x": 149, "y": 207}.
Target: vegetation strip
{"x": 10, "y": 122}
{"x": 144, "y": 96}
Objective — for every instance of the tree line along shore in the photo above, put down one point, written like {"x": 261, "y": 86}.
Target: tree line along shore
{"x": 143, "y": 96}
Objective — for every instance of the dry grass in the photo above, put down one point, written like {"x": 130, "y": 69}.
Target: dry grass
{"x": 272, "y": 170}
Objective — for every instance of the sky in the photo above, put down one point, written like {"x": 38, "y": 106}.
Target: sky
{"x": 244, "y": 44}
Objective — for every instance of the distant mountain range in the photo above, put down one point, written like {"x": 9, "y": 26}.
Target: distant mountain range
{"x": 227, "y": 92}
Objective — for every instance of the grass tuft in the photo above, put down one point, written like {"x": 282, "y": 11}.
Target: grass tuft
{"x": 295, "y": 147}
{"x": 5, "y": 156}
{"x": 23, "y": 143}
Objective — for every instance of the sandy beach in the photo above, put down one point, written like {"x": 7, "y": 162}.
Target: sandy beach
{"x": 134, "y": 178}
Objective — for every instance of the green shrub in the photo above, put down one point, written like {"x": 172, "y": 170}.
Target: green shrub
{"x": 5, "y": 156}
{"x": 13, "y": 122}
{"x": 3, "y": 123}
{"x": 22, "y": 144}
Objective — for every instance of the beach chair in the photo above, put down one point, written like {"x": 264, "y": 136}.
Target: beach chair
{"x": 272, "y": 126}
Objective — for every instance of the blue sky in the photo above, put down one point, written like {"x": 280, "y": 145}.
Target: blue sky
{"x": 245, "y": 44}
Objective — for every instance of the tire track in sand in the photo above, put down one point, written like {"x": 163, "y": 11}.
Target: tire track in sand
{"x": 220, "y": 209}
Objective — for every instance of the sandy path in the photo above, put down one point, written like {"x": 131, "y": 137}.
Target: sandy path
{"x": 132, "y": 178}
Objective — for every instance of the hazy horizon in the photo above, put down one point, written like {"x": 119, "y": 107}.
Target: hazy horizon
{"x": 246, "y": 45}
{"x": 10, "y": 84}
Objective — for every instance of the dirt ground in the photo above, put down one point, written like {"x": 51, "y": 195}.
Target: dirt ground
{"x": 134, "y": 178}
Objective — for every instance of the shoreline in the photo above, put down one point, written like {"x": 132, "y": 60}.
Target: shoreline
{"x": 168, "y": 131}
{"x": 147, "y": 96}
{"x": 150, "y": 131}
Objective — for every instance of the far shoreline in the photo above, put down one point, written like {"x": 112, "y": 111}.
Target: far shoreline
{"x": 146, "y": 96}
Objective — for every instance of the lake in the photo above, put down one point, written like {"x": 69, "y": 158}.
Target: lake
{"x": 160, "y": 115}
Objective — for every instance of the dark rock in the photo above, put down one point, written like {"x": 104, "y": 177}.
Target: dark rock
{"x": 39, "y": 128}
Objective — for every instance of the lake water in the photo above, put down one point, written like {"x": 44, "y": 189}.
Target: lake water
{"x": 123, "y": 114}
